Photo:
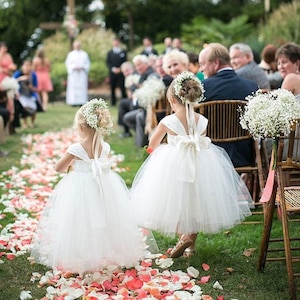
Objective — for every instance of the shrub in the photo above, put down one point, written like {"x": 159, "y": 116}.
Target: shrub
{"x": 282, "y": 26}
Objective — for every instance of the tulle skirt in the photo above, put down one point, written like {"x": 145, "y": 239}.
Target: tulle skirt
{"x": 87, "y": 225}
{"x": 199, "y": 193}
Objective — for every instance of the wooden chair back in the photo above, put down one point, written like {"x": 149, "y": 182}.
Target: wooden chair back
{"x": 224, "y": 127}
{"x": 224, "y": 120}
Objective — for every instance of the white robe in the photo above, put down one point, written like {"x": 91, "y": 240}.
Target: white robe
{"x": 78, "y": 65}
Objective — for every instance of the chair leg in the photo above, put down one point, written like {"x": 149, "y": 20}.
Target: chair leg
{"x": 268, "y": 208}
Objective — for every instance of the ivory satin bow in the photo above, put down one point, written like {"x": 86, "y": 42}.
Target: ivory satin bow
{"x": 189, "y": 146}
{"x": 99, "y": 167}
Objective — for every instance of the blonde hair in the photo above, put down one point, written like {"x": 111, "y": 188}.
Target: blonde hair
{"x": 95, "y": 118}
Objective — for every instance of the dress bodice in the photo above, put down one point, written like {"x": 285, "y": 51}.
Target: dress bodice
{"x": 95, "y": 165}
{"x": 173, "y": 123}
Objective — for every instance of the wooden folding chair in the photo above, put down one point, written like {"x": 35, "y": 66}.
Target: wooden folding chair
{"x": 224, "y": 127}
{"x": 282, "y": 193}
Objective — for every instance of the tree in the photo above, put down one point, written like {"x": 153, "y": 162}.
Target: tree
{"x": 19, "y": 25}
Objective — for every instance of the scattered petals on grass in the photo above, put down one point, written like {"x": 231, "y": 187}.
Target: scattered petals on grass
{"x": 205, "y": 267}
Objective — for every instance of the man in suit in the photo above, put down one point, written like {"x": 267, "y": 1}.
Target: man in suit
{"x": 115, "y": 57}
{"x": 242, "y": 61}
{"x": 136, "y": 117}
{"x": 148, "y": 47}
{"x": 222, "y": 83}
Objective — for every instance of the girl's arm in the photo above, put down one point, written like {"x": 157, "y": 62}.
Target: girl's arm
{"x": 157, "y": 136}
{"x": 64, "y": 163}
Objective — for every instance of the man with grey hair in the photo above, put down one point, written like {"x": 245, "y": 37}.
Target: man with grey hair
{"x": 242, "y": 61}
{"x": 135, "y": 118}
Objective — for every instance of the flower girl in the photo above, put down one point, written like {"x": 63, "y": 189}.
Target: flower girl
{"x": 188, "y": 185}
{"x": 87, "y": 223}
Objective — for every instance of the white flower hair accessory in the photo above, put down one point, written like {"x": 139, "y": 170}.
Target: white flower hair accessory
{"x": 186, "y": 75}
{"x": 97, "y": 115}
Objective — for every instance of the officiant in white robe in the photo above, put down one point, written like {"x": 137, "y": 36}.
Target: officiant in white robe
{"x": 78, "y": 66}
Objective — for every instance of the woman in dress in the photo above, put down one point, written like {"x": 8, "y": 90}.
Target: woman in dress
{"x": 288, "y": 63}
{"x": 42, "y": 66}
{"x": 188, "y": 185}
{"x": 88, "y": 223}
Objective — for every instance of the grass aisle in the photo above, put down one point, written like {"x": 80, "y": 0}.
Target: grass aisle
{"x": 27, "y": 179}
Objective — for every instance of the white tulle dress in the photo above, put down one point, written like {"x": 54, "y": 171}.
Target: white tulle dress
{"x": 189, "y": 185}
{"x": 88, "y": 222}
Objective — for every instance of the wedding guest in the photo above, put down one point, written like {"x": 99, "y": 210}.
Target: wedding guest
{"x": 78, "y": 66}
{"x": 7, "y": 64}
{"x": 42, "y": 67}
{"x": 168, "y": 45}
{"x": 28, "y": 96}
{"x": 288, "y": 62}
{"x": 131, "y": 83}
{"x": 148, "y": 46}
{"x": 135, "y": 118}
{"x": 175, "y": 62}
{"x": 7, "y": 67}
{"x": 222, "y": 83}
{"x": 242, "y": 61}
{"x": 269, "y": 66}
{"x": 177, "y": 44}
{"x": 194, "y": 65}
{"x": 114, "y": 59}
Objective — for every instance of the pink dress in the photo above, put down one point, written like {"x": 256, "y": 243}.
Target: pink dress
{"x": 5, "y": 64}
{"x": 43, "y": 77}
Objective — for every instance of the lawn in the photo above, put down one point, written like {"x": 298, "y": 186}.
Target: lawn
{"x": 226, "y": 253}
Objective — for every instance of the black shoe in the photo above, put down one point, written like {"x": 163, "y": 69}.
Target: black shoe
{"x": 125, "y": 135}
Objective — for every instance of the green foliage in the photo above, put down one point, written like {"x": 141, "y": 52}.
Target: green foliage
{"x": 217, "y": 31}
{"x": 282, "y": 26}
{"x": 96, "y": 42}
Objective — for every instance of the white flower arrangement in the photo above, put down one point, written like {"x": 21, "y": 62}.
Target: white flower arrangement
{"x": 270, "y": 114}
{"x": 186, "y": 75}
{"x": 9, "y": 83}
{"x": 152, "y": 90}
{"x": 97, "y": 115}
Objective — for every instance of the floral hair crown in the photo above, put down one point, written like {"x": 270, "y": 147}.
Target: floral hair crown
{"x": 178, "y": 85}
{"x": 97, "y": 115}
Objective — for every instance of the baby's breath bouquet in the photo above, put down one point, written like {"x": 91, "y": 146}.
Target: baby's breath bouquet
{"x": 270, "y": 114}
{"x": 152, "y": 90}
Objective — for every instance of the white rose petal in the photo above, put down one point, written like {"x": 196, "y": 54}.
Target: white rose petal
{"x": 192, "y": 272}
{"x": 217, "y": 285}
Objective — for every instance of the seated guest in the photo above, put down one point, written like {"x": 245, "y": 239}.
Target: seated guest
{"x": 288, "y": 62}
{"x": 242, "y": 61}
{"x": 269, "y": 66}
{"x": 175, "y": 62}
{"x": 131, "y": 83}
{"x": 222, "y": 83}
{"x": 135, "y": 118}
{"x": 28, "y": 96}
{"x": 194, "y": 65}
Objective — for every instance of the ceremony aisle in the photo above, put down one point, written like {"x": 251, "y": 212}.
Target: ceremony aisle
{"x": 25, "y": 191}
